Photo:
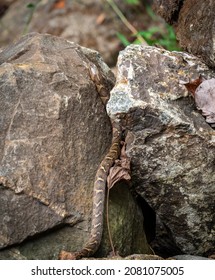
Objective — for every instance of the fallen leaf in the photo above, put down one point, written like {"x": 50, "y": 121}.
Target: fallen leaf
{"x": 59, "y": 4}
{"x": 205, "y": 100}
{"x": 100, "y": 19}
{"x": 192, "y": 85}
{"x": 121, "y": 169}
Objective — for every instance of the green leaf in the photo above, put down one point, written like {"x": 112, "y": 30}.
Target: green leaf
{"x": 150, "y": 12}
{"x": 123, "y": 39}
{"x": 132, "y": 2}
{"x": 136, "y": 42}
{"x": 171, "y": 32}
{"x": 30, "y": 5}
{"x": 149, "y": 32}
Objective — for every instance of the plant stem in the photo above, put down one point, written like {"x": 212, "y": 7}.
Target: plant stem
{"x": 125, "y": 21}
{"x": 25, "y": 30}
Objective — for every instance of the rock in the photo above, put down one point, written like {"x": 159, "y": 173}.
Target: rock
{"x": 143, "y": 257}
{"x": 188, "y": 257}
{"x": 169, "y": 142}
{"x": 66, "y": 22}
{"x": 11, "y": 254}
{"x": 54, "y": 133}
{"x": 212, "y": 257}
{"x": 130, "y": 257}
{"x": 163, "y": 243}
{"x": 4, "y": 5}
{"x": 194, "y": 24}
{"x": 88, "y": 23}
{"x": 168, "y": 9}
{"x": 124, "y": 212}
{"x": 45, "y": 143}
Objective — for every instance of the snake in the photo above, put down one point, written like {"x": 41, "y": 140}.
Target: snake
{"x": 99, "y": 188}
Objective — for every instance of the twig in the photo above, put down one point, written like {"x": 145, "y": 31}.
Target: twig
{"x": 125, "y": 21}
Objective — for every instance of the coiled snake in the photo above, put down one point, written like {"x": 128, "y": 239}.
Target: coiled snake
{"x": 100, "y": 181}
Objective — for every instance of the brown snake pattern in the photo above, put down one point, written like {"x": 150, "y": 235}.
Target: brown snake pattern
{"x": 100, "y": 182}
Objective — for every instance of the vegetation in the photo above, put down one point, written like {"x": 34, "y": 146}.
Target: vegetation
{"x": 133, "y": 2}
{"x": 153, "y": 36}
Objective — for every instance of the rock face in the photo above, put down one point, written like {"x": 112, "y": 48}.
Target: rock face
{"x": 90, "y": 23}
{"x": 54, "y": 133}
{"x": 194, "y": 23}
{"x": 44, "y": 141}
{"x": 168, "y": 9}
{"x": 65, "y": 21}
{"x": 171, "y": 146}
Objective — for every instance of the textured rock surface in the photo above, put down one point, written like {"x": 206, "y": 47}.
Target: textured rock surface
{"x": 90, "y": 23}
{"x": 124, "y": 212}
{"x": 54, "y": 133}
{"x": 77, "y": 22}
{"x": 44, "y": 139}
{"x": 168, "y": 9}
{"x": 189, "y": 257}
{"x": 171, "y": 146}
{"x": 195, "y": 25}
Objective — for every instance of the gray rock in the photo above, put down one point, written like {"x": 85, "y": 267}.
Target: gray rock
{"x": 194, "y": 24}
{"x": 66, "y": 22}
{"x": 171, "y": 146}
{"x": 168, "y": 9}
{"x": 188, "y": 257}
{"x": 54, "y": 133}
{"x": 44, "y": 141}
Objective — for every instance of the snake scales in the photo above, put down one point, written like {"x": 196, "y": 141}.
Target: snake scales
{"x": 100, "y": 180}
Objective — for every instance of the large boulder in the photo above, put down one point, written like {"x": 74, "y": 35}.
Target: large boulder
{"x": 194, "y": 24}
{"x": 54, "y": 133}
{"x": 172, "y": 148}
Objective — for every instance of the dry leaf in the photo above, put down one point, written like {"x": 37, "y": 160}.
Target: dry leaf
{"x": 121, "y": 169}
{"x": 59, "y": 4}
{"x": 192, "y": 85}
{"x": 205, "y": 100}
{"x": 203, "y": 92}
{"x": 100, "y": 19}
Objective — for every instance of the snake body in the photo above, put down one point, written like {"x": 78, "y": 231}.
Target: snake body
{"x": 100, "y": 181}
